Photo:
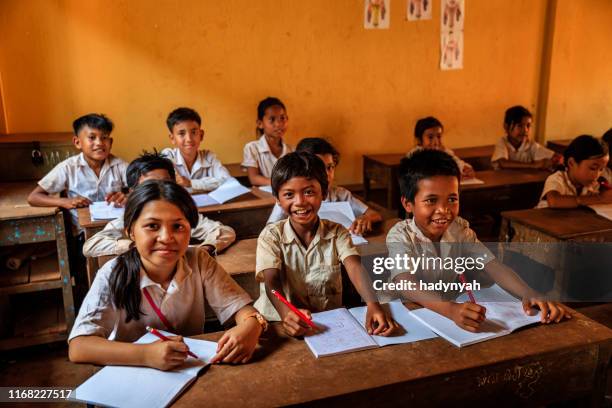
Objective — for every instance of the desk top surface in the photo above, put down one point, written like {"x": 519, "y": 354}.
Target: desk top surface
{"x": 14, "y": 203}
{"x": 498, "y": 178}
{"x": 393, "y": 159}
{"x": 285, "y": 372}
{"x": 561, "y": 224}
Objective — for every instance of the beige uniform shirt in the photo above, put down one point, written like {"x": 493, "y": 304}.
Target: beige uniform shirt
{"x": 76, "y": 178}
{"x": 311, "y": 277}
{"x": 113, "y": 241}
{"x": 335, "y": 194}
{"x": 560, "y": 182}
{"x": 207, "y": 172}
{"x": 406, "y": 237}
{"x": 258, "y": 154}
{"x": 460, "y": 163}
{"x": 528, "y": 152}
{"x": 182, "y": 303}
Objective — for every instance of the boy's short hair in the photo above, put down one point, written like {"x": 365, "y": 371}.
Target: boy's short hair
{"x": 317, "y": 145}
{"x": 93, "y": 120}
{"x": 515, "y": 115}
{"x": 607, "y": 137}
{"x": 298, "y": 164}
{"x": 585, "y": 147}
{"x": 424, "y": 164}
{"x": 423, "y": 124}
{"x": 182, "y": 114}
{"x": 145, "y": 163}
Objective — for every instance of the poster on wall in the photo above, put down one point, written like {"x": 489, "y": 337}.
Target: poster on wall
{"x": 377, "y": 14}
{"x": 419, "y": 10}
{"x": 452, "y": 16}
{"x": 451, "y": 48}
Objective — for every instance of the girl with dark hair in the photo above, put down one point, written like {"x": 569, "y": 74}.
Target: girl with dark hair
{"x": 162, "y": 283}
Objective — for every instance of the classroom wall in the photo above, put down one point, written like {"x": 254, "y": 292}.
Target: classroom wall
{"x": 580, "y": 98}
{"x": 363, "y": 89}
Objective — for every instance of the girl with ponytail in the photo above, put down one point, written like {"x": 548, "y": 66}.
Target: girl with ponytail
{"x": 163, "y": 283}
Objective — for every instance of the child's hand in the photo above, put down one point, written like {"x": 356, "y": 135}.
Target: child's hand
{"x": 551, "y": 311}
{"x": 378, "y": 321}
{"x": 294, "y": 326}
{"x": 361, "y": 225}
{"x": 75, "y": 202}
{"x": 238, "y": 343}
{"x": 183, "y": 181}
{"x": 118, "y": 198}
{"x": 468, "y": 315}
{"x": 468, "y": 172}
{"x": 166, "y": 355}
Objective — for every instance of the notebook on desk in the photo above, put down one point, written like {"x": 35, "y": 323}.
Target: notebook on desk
{"x": 101, "y": 210}
{"x": 231, "y": 188}
{"x": 123, "y": 386}
{"x": 345, "y": 330}
{"x": 604, "y": 210}
{"x": 504, "y": 315}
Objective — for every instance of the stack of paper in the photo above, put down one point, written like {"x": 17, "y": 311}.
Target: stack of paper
{"x": 341, "y": 213}
{"x": 231, "y": 188}
{"x": 101, "y": 210}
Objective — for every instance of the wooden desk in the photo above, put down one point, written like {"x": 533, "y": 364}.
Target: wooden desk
{"x": 549, "y": 226}
{"x": 535, "y": 366}
{"x": 239, "y": 173}
{"x": 381, "y": 170}
{"x": 22, "y": 224}
{"x": 558, "y": 146}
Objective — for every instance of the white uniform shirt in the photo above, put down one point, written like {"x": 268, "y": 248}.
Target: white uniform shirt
{"x": 258, "y": 154}
{"x": 528, "y": 152}
{"x": 560, "y": 182}
{"x": 207, "y": 172}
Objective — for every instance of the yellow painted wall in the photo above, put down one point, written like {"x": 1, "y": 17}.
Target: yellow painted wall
{"x": 136, "y": 60}
{"x": 580, "y": 98}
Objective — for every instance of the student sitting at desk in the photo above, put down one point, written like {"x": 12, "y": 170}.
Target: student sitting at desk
{"x": 261, "y": 155}
{"x": 112, "y": 240}
{"x": 585, "y": 160}
{"x": 197, "y": 169}
{"x": 429, "y": 184}
{"x": 364, "y": 216}
{"x": 607, "y": 173}
{"x": 428, "y": 134}
{"x": 163, "y": 283}
{"x": 300, "y": 256}
{"x": 516, "y": 150}
{"x": 93, "y": 175}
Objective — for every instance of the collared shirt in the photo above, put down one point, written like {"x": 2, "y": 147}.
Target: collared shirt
{"x": 207, "y": 172}
{"x": 335, "y": 194}
{"x": 258, "y": 154}
{"x": 459, "y": 240}
{"x": 76, "y": 178}
{"x": 113, "y": 241}
{"x": 607, "y": 174}
{"x": 559, "y": 181}
{"x": 460, "y": 163}
{"x": 198, "y": 278}
{"x": 311, "y": 276}
{"x": 528, "y": 152}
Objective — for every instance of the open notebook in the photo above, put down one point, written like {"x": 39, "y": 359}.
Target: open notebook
{"x": 122, "y": 386}
{"x": 231, "y": 188}
{"x": 605, "y": 210}
{"x": 345, "y": 330}
{"x": 341, "y": 213}
{"x": 101, "y": 210}
{"x": 504, "y": 315}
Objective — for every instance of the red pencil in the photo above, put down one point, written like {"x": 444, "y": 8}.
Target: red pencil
{"x": 294, "y": 309}
{"x": 164, "y": 338}
{"x": 469, "y": 292}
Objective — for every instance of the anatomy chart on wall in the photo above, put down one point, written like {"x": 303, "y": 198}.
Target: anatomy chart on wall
{"x": 419, "y": 10}
{"x": 377, "y": 14}
{"x": 452, "y": 17}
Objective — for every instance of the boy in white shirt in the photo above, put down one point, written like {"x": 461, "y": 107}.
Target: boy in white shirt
{"x": 196, "y": 169}
{"x": 214, "y": 236}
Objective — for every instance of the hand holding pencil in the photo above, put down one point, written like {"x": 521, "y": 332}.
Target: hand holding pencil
{"x": 296, "y": 322}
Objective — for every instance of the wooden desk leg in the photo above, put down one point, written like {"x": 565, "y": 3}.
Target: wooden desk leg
{"x": 64, "y": 267}
{"x": 91, "y": 262}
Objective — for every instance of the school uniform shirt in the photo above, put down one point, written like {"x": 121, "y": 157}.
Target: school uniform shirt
{"x": 559, "y": 181}
{"x": 258, "y": 154}
{"x": 528, "y": 152}
{"x": 406, "y": 238}
{"x": 113, "y": 241}
{"x": 207, "y": 172}
{"x": 311, "y": 276}
{"x": 335, "y": 194}
{"x": 76, "y": 178}
{"x": 607, "y": 174}
{"x": 460, "y": 163}
{"x": 182, "y": 304}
